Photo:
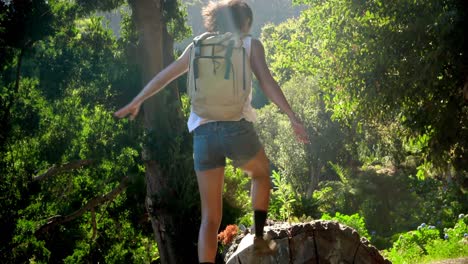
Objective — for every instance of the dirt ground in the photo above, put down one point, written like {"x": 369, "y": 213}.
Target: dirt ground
{"x": 452, "y": 261}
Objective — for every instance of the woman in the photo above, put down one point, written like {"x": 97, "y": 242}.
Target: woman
{"x": 215, "y": 140}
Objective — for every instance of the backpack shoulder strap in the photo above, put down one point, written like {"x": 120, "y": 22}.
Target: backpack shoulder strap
{"x": 247, "y": 44}
{"x": 197, "y": 50}
{"x": 228, "y": 57}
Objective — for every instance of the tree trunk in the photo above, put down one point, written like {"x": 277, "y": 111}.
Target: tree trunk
{"x": 18, "y": 70}
{"x": 160, "y": 118}
{"x": 313, "y": 180}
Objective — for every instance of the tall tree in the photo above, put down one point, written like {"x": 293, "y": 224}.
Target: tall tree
{"x": 149, "y": 22}
{"x": 164, "y": 126}
{"x": 170, "y": 183}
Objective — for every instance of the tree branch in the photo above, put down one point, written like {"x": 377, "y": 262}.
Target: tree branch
{"x": 96, "y": 201}
{"x": 54, "y": 170}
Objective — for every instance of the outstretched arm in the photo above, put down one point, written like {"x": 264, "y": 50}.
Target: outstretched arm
{"x": 163, "y": 78}
{"x": 272, "y": 90}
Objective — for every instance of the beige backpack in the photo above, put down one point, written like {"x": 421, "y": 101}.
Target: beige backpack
{"x": 219, "y": 79}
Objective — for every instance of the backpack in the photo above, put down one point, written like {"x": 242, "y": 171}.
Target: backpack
{"x": 219, "y": 78}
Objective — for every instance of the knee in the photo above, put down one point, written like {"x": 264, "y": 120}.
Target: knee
{"x": 261, "y": 172}
{"x": 259, "y": 167}
{"x": 211, "y": 221}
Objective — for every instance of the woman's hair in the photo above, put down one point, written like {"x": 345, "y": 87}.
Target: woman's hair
{"x": 226, "y": 16}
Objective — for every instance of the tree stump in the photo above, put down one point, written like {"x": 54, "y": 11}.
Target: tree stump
{"x": 312, "y": 243}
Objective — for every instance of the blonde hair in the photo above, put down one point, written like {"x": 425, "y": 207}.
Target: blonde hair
{"x": 226, "y": 16}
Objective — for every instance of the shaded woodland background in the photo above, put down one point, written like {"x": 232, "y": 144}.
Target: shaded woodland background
{"x": 381, "y": 85}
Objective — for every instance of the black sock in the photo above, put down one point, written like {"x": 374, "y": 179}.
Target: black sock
{"x": 259, "y": 220}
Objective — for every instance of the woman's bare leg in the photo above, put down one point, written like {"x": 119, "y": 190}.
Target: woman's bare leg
{"x": 259, "y": 169}
{"x": 210, "y": 184}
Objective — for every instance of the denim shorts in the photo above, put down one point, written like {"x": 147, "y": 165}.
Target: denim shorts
{"x": 215, "y": 141}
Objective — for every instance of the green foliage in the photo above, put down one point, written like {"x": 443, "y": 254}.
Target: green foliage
{"x": 383, "y": 199}
{"x": 330, "y": 196}
{"x": 236, "y": 187}
{"x": 28, "y": 244}
{"x": 92, "y": 71}
{"x": 301, "y": 164}
{"x": 62, "y": 113}
{"x": 63, "y": 74}
{"x": 237, "y": 206}
{"x": 446, "y": 197}
{"x": 426, "y": 244}
{"x": 24, "y": 23}
{"x": 385, "y": 88}
{"x": 341, "y": 172}
{"x": 89, "y": 6}
{"x": 175, "y": 14}
{"x": 283, "y": 198}
{"x": 185, "y": 102}
{"x": 355, "y": 221}
{"x": 379, "y": 61}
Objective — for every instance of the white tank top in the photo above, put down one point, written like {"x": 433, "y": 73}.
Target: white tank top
{"x": 248, "y": 112}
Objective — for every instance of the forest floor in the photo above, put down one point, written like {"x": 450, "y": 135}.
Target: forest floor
{"x": 463, "y": 260}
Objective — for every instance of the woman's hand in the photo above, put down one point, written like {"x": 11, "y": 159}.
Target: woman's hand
{"x": 131, "y": 109}
{"x": 299, "y": 130}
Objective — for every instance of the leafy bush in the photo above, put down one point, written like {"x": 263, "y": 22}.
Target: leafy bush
{"x": 331, "y": 196}
{"x": 305, "y": 209}
{"x": 282, "y": 199}
{"x": 427, "y": 244}
{"x": 383, "y": 200}
{"x": 237, "y": 204}
{"x": 355, "y": 221}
